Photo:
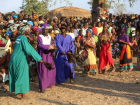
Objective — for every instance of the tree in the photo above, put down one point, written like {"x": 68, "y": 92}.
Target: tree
{"x": 119, "y": 9}
{"x": 109, "y": 4}
{"x": 40, "y": 6}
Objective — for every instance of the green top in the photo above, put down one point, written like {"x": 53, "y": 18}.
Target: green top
{"x": 129, "y": 31}
{"x": 96, "y": 38}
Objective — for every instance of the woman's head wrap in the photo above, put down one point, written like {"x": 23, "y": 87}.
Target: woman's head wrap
{"x": 125, "y": 28}
{"x": 9, "y": 34}
{"x": 30, "y": 22}
{"x": 54, "y": 18}
{"x": 38, "y": 29}
{"x": 24, "y": 29}
{"x": 45, "y": 26}
{"x": 78, "y": 18}
{"x": 89, "y": 30}
{"x": 11, "y": 22}
{"x": 13, "y": 28}
{"x": 14, "y": 16}
{"x": 34, "y": 28}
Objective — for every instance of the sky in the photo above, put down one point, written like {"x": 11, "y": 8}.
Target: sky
{"x": 13, "y": 5}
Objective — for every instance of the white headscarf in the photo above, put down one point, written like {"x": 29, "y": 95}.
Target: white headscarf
{"x": 24, "y": 29}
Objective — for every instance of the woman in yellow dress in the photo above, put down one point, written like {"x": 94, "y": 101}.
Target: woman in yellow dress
{"x": 89, "y": 62}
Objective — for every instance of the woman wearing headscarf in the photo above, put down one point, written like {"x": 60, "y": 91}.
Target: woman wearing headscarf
{"x": 13, "y": 35}
{"x": 30, "y": 38}
{"x": 15, "y": 18}
{"x": 38, "y": 32}
{"x": 18, "y": 65}
{"x": 44, "y": 46}
{"x": 125, "y": 56}
{"x": 90, "y": 65}
{"x": 105, "y": 58}
{"x": 55, "y": 21}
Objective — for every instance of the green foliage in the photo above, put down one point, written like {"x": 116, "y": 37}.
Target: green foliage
{"x": 40, "y": 6}
{"x": 111, "y": 4}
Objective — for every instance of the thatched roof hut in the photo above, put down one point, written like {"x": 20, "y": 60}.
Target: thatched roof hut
{"x": 68, "y": 12}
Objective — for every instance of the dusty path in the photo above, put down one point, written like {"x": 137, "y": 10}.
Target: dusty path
{"x": 108, "y": 89}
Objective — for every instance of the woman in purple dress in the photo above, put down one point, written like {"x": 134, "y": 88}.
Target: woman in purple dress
{"x": 125, "y": 56}
{"x": 44, "y": 43}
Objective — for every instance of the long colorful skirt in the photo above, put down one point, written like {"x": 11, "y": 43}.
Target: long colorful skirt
{"x": 125, "y": 58}
{"x": 105, "y": 58}
{"x": 138, "y": 59}
{"x": 90, "y": 65}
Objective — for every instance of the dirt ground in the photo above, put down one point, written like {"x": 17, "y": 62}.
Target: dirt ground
{"x": 105, "y": 89}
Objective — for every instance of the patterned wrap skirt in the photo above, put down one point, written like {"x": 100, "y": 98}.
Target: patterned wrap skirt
{"x": 125, "y": 58}
{"x": 89, "y": 63}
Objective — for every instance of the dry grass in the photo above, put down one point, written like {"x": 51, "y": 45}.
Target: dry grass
{"x": 68, "y": 12}
{"x": 108, "y": 89}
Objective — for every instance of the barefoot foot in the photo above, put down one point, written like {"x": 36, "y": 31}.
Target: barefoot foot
{"x": 71, "y": 81}
{"x": 18, "y": 95}
{"x": 114, "y": 69}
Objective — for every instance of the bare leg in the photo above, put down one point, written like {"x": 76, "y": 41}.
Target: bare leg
{"x": 123, "y": 71}
{"x": 130, "y": 69}
{"x": 114, "y": 69}
{"x": 132, "y": 53}
{"x": 96, "y": 73}
{"x": 71, "y": 80}
{"x": 100, "y": 72}
{"x": 88, "y": 74}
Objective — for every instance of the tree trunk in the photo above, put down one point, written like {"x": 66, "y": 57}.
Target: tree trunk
{"x": 94, "y": 6}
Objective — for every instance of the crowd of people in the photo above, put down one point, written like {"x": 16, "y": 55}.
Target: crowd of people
{"x": 52, "y": 48}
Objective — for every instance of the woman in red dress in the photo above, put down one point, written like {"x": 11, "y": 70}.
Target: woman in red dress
{"x": 105, "y": 58}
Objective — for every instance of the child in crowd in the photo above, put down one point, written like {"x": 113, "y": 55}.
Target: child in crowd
{"x": 110, "y": 27}
{"x": 94, "y": 29}
{"x": 115, "y": 51}
{"x": 80, "y": 34}
{"x": 72, "y": 33}
{"x": 99, "y": 28}
{"x": 77, "y": 45}
{"x": 77, "y": 49}
{"x": 113, "y": 29}
{"x": 2, "y": 79}
{"x": 132, "y": 44}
